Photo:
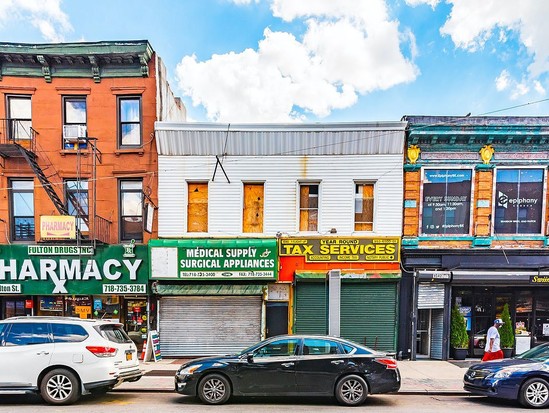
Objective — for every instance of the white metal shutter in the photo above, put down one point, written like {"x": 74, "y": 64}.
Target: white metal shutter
{"x": 437, "y": 322}
{"x": 430, "y": 295}
{"x": 202, "y": 326}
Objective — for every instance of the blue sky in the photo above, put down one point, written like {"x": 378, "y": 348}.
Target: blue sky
{"x": 320, "y": 60}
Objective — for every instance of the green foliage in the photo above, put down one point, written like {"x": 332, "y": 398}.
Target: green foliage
{"x": 506, "y": 333}
{"x": 458, "y": 330}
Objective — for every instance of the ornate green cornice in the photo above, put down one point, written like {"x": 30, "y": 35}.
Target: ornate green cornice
{"x": 460, "y": 134}
{"x": 95, "y": 60}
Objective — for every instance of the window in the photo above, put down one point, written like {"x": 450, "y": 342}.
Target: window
{"x": 313, "y": 346}
{"x": 131, "y": 210}
{"x": 24, "y": 334}
{"x": 22, "y": 210}
{"x": 364, "y": 207}
{"x": 19, "y": 117}
{"x": 197, "y": 208}
{"x": 253, "y": 208}
{"x": 308, "y": 207}
{"x": 68, "y": 333}
{"x": 129, "y": 121}
{"x": 76, "y": 200}
{"x": 114, "y": 333}
{"x": 519, "y": 201}
{"x": 446, "y": 201}
{"x": 74, "y": 121}
{"x": 279, "y": 348}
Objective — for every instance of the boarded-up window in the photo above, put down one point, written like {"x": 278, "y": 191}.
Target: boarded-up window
{"x": 364, "y": 207}
{"x": 252, "y": 218}
{"x": 197, "y": 209}
{"x": 308, "y": 207}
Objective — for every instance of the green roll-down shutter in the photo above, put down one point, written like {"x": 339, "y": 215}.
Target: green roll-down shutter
{"x": 310, "y": 308}
{"x": 369, "y": 314}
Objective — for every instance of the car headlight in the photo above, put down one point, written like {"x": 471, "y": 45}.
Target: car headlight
{"x": 189, "y": 369}
{"x": 503, "y": 373}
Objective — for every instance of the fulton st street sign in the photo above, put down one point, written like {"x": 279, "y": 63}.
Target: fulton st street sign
{"x": 44, "y": 270}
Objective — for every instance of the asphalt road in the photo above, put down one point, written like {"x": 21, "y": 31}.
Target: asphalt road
{"x": 119, "y": 402}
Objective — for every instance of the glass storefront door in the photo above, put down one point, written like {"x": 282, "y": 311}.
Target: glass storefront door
{"x": 541, "y": 323}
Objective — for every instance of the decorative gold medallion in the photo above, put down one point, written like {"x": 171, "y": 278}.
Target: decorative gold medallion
{"x": 486, "y": 153}
{"x": 413, "y": 153}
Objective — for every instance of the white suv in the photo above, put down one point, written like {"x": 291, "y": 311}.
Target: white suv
{"x": 63, "y": 358}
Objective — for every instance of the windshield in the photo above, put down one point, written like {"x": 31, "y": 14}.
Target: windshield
{"x": 539, "y": 353}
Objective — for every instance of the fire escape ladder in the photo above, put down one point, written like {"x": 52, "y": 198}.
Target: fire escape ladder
{"x": 80, "y": 211}
{"x": 44, "y": 180}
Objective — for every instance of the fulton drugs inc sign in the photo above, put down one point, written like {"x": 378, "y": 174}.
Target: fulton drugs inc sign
{"x": 52, "y": 270}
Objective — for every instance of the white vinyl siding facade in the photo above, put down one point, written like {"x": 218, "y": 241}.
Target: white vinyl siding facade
{"x": 272, "y": 158}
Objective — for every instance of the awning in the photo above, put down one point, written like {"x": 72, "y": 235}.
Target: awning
{"x": 489, "y": 278}
{"x": 213, "y": 242}
{"x": 209, "y": 289}
{"x": 348, "y": 275}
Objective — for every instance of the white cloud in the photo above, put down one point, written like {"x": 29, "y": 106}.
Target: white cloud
{"x": 538, "y": 87}
{"x": 414, "y": 3}
{"x": 517, "y": 89}
{"x": 472, "y": 22}
{"x": 349, "y": 47}
{"x": 502, "y": 81}
{"x": 241, "y": 2}
{"x": 45, "y": 15}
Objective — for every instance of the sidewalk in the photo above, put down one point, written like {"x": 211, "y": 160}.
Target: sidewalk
{"x": 429, "y": 377}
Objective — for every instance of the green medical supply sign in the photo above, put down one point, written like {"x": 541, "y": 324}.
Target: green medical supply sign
{"x": 213, "y": 259}
{"x": 73, "y": 270}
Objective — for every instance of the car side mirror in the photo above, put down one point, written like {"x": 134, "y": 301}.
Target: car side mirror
{"x": 250, "y": 357}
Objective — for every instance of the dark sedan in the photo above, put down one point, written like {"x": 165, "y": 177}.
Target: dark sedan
{"x": 290, "y": 366}
{"x": 524, "y": 378}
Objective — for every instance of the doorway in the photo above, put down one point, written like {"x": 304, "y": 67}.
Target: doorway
{"x": 423, "y": 337}
{"x": 276, "y": 318}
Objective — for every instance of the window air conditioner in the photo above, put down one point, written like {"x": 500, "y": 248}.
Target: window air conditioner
{"x": 71, "y": 133}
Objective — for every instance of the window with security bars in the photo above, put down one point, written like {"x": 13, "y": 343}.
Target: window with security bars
{"x": 364, "y": 207}
{"x": 308, "y": 207}
{"x": 22, "y": 210}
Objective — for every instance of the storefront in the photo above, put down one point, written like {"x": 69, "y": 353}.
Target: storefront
{"x": 360, "y": 297}
{"x": 213, "y": 294}
{"x": 480, "y": 284}
{"x": 106, "y": 282}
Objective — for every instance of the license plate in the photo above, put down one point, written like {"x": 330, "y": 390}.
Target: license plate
{"x": 128, "y": 355}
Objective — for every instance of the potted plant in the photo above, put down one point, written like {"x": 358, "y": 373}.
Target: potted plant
{"x": 459, "y": 340}
{"x": 506, "y": 333}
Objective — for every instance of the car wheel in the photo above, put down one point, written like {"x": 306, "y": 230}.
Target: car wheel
{"x": 535, "y": 393}
{"x": 214, "y": 389}
{"x": 351, "y": 390}
{"x": 481, "y": 344}
{"x": 60, "y": 386}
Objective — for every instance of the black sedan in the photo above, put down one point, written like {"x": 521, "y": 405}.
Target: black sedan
{"x": 289, "y": 366}
{"x": 524, "y": 378}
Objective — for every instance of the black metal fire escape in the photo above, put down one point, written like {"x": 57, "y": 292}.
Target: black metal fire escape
{"x": 17, "y": 148}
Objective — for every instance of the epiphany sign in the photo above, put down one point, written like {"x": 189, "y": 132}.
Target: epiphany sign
{"x": 24, "y": 270}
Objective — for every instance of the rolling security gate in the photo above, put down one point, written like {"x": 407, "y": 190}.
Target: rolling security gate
{"x": 201, "y": 325}
{"x": 431, "y": 296}
{"x": 369, "y": 314}
{"x": 368, "y": 311}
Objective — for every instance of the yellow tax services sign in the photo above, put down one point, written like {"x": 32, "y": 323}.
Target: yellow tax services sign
{"x": 377, "y": 249}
